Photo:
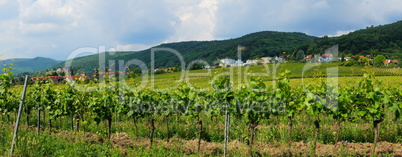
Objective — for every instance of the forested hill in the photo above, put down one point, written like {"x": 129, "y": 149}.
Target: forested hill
{"x": 256, "y": 45}
{"x": 21, "y": 65}
{"x": 383, "y": 39}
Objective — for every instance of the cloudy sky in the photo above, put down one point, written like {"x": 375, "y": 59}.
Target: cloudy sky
{"x": 55, "y": 28}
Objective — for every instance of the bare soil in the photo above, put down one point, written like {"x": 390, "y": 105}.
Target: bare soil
{"x": 122, "y": 141}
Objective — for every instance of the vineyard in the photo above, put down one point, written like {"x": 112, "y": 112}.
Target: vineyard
{"x": 110, "y": 119}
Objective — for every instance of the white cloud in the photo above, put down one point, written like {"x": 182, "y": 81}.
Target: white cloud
{"x": 132, "y": 47}
{"x": 196, "y": 20}
{"x": 321, "y": 4}
{"x": 54, "y": 28}
{"x": 47, "y": 16}
{"x": 311, "y": 16}
{"x": 340, "y": 33}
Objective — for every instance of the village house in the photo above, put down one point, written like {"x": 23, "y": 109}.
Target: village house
{"x": 344, "y": 57}
{"x": 238, "y": 63}
{"x": 310, "y": 58}
{"x": 209, "y": 67}
{"x": 111, "y": 73}
{"x": 228, "y": 62}
{"x": 252, "y": 62}
{"x": 266, "y": 60}
{"x": 388, "y": 62}
{"x": 325, "y": 58}
{"x": 279, "y": 59}
{"x": 165, "y": 69}
{"x": 59, "y": 70}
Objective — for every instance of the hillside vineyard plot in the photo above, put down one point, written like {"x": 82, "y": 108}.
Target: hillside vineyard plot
{"x": 319, "y": 113}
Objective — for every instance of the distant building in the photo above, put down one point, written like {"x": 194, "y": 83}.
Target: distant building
{"x": 164, "y": 69}
{"x": 266, "y": 60}
{"x": 252, "y": 62}
{"x": 111, "y": 73}
{"x": 326, "y": 57}
{"x": 59, "y": 70}
{"x": 311, "y": 58}
{"x": 388, "y": 62}
{"x": 344, "y": 57}
{"x": 228, "y": 62}
{"x": 280, "y": 59}
{"x": 209, "y": 67}
{"x": 238, "y": 63}
{"x": 157, "y": 69}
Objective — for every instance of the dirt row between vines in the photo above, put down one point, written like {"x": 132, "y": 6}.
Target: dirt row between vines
{"x": 123, "y": 142}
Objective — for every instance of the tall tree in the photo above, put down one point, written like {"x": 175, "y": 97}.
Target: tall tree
{"x": 379, "y": 60}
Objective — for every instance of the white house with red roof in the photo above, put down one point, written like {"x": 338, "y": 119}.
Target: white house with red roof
{"x": 326, "y": 57}
{"x": 388, "y": 62}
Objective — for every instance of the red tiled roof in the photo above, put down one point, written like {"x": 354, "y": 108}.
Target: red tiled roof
{"x": 54, "y": 78}
{"x": 326, "y": 54}
{"x": 310, "y": 56}
{"x": 109, "y": 73}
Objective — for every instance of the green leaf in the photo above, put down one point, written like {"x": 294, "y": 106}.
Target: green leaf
{"x": 310, "y": 110}
{"x": 130, "y": 113}
{"x": 361, "y": 113}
